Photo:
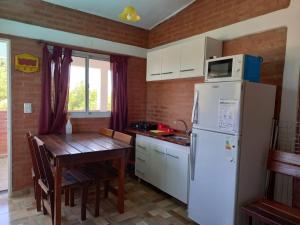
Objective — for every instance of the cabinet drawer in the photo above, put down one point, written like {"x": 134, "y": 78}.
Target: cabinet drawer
{"x": 141, "y": 147}
{"x": 141, "y": 157}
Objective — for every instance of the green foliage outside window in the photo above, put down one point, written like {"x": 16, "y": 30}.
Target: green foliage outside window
{"x": 3, "y": 85}
{"x": 77, "y": 98}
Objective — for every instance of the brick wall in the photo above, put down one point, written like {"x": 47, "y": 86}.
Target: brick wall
{"x": 166, "y": 100}
{"x": 89, "y": 124}
{"x": 136, "y": 91}
{"x": 205, "y": 15}
{"x": 27, "y": 88}
{"x": 53, "y": 16}
{"x": 271, "y": 46}
{"x": 199, "y": 17}
{"x": 3, "y": 133}
{"x": 173, "y": 99}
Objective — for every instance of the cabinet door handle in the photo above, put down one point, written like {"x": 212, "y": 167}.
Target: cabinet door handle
{"x": 173, "y": 156}
{"x": 142, "y": 160}
{"x": 142, "y": 147}
{"x": 167, "y": 72}
{"x": 155, "y": 74}
{"x": 162, "y": 153}
{"x": 187, "y": 70}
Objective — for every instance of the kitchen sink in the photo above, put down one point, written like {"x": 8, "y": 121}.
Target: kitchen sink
{"x": 179, "y": 138}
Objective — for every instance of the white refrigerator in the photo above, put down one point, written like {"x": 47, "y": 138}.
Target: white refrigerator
{"x": 232, "y": 126}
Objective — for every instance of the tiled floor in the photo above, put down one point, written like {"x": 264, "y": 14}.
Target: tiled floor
{"x": 143, "y": 206}
{"x": 3, "y": 173}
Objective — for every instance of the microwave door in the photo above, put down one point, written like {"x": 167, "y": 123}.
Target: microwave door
{"x": 220, "y": 69}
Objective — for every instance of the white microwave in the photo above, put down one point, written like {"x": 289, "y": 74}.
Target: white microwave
{"x": 233, "y": 68}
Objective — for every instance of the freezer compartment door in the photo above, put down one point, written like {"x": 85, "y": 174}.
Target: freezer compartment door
{"x": 212, "y": 194}
{"x": 217, "y": 107}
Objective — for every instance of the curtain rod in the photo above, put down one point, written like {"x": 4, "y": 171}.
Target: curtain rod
{"x": 76, "y": 48}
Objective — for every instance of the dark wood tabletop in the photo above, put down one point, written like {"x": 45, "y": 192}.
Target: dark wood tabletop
{"x": 81, "y": 148}
{"x": 80, "y": 143}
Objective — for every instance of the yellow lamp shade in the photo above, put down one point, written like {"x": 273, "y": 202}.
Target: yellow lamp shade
{"x": 129, "y": 14}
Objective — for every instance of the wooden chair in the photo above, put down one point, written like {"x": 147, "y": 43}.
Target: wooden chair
{"x": 36, "y": 175}
{"x": 70, "y": 179}
{"x": 122, "y": 137}
{"x": 267, "y": 210}
{"x": 100, "y": 173}
{"x": 34, "y": 172}
{"x": 106, "y": 132}
{"x": 104, "y": 173}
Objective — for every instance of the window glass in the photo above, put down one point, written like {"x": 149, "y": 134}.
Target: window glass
{"x": 94, "y": 96}
{"x": 109, "y": 91}
{"x": 77, "y": 85}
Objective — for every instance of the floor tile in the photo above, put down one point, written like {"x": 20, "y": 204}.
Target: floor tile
{"x": 144, "y": 205}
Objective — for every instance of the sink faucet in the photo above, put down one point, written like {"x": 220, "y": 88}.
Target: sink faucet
{"x": 187, "y": 131}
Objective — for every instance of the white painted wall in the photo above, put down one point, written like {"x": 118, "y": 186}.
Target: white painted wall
{"x": 41, "y": 33}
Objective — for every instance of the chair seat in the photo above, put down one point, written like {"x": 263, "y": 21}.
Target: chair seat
{"x": 272, "y": 212}
{"x": 72, "y": 177}
{"x": 100, "y": 172}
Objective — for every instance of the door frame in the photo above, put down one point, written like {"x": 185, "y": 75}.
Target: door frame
{"x": 9, "y": 113}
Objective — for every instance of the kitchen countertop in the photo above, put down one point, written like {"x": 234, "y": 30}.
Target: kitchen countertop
{"x": 163, "y": 138}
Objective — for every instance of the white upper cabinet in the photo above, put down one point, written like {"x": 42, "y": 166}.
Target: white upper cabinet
{"x": 183, "y": 59}
{"x": 154, "y": 59}
{"x": 192, "y": 58}
{"x": 170, "y": 62}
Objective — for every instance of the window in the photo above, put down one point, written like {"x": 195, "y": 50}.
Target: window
{"x": 90, "y": 86}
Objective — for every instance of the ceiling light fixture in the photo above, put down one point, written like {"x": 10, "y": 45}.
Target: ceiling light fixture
{"x": 129, "y": 14}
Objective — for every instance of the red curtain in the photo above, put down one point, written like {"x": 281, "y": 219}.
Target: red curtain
{"x": 53, "y": 116}
{"x": 118, "y": 66}
{"x": 46, "y": 113}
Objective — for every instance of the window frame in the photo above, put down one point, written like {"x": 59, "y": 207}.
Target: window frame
{"x": 87, "y": 113}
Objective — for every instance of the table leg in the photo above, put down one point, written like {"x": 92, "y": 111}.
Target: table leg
{"x": 57, "y": 192}
{"x": 121, "y": 184}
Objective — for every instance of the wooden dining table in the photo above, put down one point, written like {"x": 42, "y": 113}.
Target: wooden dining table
{"x": 81, "y": 148}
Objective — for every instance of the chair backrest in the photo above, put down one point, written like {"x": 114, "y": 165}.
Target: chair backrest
{"x": 122, "y": 137}
{"x": 44, "y": 163}
{"x": 106, "y": 132}
{"x": 33, "y": 155}
{"x": 284, "y": 163}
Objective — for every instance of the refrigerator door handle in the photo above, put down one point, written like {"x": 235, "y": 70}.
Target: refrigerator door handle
{"x": 195, "y": 108}
{"x": 193, "y": 155}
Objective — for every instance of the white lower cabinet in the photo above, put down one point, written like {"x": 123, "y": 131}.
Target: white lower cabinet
{"x": 164, "y": 165}
{"x": 157, "y": 166}
{"x": 177, "y": 173}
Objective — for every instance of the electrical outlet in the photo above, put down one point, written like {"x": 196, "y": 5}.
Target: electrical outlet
{"x": 27, "y": 108}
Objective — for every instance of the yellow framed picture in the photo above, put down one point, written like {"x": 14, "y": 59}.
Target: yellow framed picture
{"x": 27, "y": 63}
